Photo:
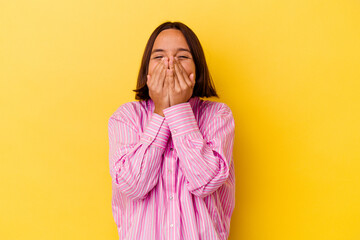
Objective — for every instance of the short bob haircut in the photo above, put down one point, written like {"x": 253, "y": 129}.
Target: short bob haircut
{"x": 204, "y": 86}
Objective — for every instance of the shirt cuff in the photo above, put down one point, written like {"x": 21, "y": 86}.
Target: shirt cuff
{"x": 180, "y": 119}
{"x": 157, "y": 131}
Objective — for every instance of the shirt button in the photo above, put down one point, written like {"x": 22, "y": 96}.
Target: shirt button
{"x": 169, "y": 171}
{"x": 174, "y": 131}
{"x": 171, "y": 225}
{"x": 171, "y": 197}
{"x": 149, "y": 138}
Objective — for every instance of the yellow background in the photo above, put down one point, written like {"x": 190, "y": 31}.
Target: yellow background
{"x": 289, "y": 70}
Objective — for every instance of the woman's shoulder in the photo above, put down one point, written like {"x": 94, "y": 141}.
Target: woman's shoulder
{"x": 213, "y": 107}
{"x": 131, "y": 109}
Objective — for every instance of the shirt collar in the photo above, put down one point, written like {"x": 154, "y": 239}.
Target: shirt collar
{"x": 192, "y": 102}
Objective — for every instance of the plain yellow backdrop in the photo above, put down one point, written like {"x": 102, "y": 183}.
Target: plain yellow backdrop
{"x": 289, "y": 70}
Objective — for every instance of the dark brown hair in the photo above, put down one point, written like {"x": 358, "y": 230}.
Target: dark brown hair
{"x": 204, "y": 86}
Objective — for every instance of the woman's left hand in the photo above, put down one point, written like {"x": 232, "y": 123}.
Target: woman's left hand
{"x": 180, "y": 84}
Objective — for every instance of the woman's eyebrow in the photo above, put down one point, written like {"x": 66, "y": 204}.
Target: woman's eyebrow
{"x": 162, "y": 50}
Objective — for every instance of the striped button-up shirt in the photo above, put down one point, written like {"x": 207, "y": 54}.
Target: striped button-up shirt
{"x": 173, "y": 176}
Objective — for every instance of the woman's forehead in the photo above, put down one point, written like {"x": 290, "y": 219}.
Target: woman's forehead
{"x": 170, "y": 39}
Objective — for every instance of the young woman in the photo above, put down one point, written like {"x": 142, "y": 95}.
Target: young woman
{"x": 170, "y": 153}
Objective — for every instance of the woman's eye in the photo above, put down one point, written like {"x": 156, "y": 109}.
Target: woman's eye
{"x": 158, "y": 57}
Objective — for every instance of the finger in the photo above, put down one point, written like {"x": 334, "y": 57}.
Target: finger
{"x": 173, "y": 77}
{"x": 153, "y": 73}
{"x": 161, "y": 76}
{"x": 166, "y": 81}
{"x": 158, "y": 64}
{"x": 177, "y": 82}
{"x": 166, "y": 86}
{"x": 177, "y": 85}
{"x": 180, "y": 76}
{"x": 170, "y": 79}
{"x": 157, "y": 72}
{"x": 166, "y": 66}
{"x": 184, "y": 74}
{"x": 171, "y": 74}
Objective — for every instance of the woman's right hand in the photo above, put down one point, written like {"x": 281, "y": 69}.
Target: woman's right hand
{"x": 158, "y": 86}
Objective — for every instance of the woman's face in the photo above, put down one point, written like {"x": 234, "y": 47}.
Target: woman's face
{"x": 171, "y": 42}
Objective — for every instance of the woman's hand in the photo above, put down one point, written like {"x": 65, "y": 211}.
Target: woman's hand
{"x": 180, "y": 84}
{"x": 158, "y": 87}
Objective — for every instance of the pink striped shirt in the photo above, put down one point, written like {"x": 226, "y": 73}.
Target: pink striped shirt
{"x": 173, "y": 176}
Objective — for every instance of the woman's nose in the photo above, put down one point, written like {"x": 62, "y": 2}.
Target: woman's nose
{"x": 168, "y": 58}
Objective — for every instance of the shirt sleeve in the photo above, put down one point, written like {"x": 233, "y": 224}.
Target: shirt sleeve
{"x": 135, "y": 157}
{"x": 204, "y": 157}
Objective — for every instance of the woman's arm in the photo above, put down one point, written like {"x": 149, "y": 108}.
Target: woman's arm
{"x": 135, "y": 157}
{"x": 205, "y": 159}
